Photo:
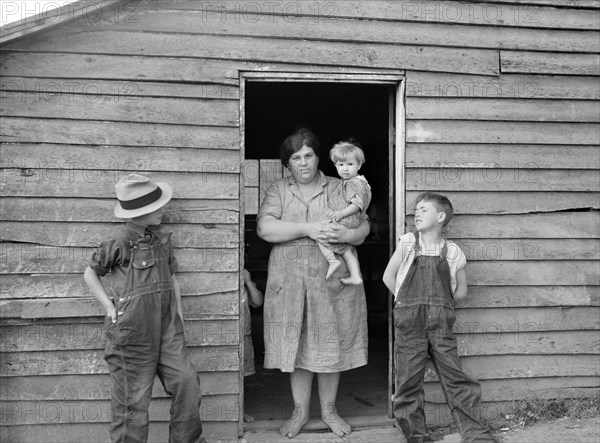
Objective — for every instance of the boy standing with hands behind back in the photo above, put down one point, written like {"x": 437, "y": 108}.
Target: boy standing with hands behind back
{"x": 426, "y": 274}
{"x": 144, "y": 323}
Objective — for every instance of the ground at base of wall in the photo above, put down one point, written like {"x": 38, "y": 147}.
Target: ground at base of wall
{"x": 564, "y": 430}
{"x": 561, "y": 430}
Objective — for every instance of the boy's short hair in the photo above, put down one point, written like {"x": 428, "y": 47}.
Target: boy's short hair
{"x": 341, "y": 150}
{"x": 441, "y": 202}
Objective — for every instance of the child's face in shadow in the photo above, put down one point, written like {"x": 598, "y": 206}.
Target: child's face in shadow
{"x": 151, "y": 219}
{"x": 348, "y": 167}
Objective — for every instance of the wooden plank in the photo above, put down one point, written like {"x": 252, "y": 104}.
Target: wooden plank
{"x": 525, "y": 366}
{"x": 431, "y": 108}
{"x": 525, "y": 62}
{"x": 159, "y": 69}
{"x": 96, "y": 210}
{"x": 130, "y": 109}
{"x": 216, "y": 408}
{"x": 78, "y": 432}
{"x": 207, "y": 359}
{"x": 489, "y": 13}
{"x": 493, "y": 179}
{"x": 75, "y": 336}
{"x": 132, "y": 159}
{"x": 221, "y": 305}
{"x": 49, "y": 16}
{"x": 531, "y": 272}
{"x": 558, "y": 225}
{"x": 542, "y": 133}
{"x": 57, "y": 180}
{"x": 26, "y": 130}
{"x": 84, "y": 234}
{"x": 510, "y": 320}
{"x": 160, "y": 20}
{"x": 315, "y": 431}
{"x": 21, "y": 258}
{"x": 592, "y": 4}
{"x": 448, "y": 86}
{"x": 518, "y": 389}
{"x": 530, "y": 249}
{"x": 506, "y": 203}
{"x": 72, "y": 286}
{"x": 251, "y": 200}
{"x": 126, "y": 91}
{"x": 496, "y": 342}
{"x": 58, "y": 308}
{"x": 272, "y": 50}
{"x": 98, "y": 387}
{"x": 530, "y": 296}
{"x": 429, "y": 155}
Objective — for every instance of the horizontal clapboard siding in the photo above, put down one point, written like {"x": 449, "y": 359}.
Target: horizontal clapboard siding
{"x": 502, "y": 102}
{"x": 506, "y": 151}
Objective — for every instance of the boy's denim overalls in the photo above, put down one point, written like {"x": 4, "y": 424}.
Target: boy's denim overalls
{"x": 148, "y": 340}
{"x": 423, "y": 320}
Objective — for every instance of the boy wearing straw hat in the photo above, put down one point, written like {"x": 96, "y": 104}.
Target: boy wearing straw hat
{"x": 132, "y": 275}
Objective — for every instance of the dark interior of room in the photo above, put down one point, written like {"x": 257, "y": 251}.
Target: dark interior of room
{"x": 334, "y": 111}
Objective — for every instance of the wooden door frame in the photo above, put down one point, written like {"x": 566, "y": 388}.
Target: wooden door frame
{"x": 396, "y": 150}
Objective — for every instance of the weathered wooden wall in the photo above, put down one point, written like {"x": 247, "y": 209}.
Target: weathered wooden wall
{"x": 502, "y": 104}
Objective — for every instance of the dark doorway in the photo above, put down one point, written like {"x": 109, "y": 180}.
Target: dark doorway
{"x": 334, "y": 111}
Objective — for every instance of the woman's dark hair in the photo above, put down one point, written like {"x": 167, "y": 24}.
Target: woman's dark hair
{"x": 294, "y": 143}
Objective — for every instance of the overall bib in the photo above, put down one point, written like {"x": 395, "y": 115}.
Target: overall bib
{"x": 423, "y": 320}
{"x": 147, "y": 340}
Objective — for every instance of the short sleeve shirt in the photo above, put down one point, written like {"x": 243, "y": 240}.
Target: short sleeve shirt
{"x": 455, "y": 257}
{"x": 115, "y": 251}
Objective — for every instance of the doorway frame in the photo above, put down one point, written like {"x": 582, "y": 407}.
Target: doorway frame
{"x": 396, "y": 150}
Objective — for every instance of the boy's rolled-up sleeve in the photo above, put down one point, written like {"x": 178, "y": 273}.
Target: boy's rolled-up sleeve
{"x": 106, "y": 256}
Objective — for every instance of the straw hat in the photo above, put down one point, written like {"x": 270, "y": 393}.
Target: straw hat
{"x": 138, "y": 195}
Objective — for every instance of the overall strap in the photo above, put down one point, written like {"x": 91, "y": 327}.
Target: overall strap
{"x": 444, "y": 251}
{"x": 417, "y": 242}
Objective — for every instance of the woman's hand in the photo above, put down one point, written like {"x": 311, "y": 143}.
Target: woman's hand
{"x": 332, "y": 232}
{"x": 315, "y": 230}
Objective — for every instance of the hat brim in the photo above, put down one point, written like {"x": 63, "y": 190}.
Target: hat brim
{"x": 167, "y": 194}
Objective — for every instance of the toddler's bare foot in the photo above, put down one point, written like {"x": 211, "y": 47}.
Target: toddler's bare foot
{"x": 337, "y": 424}
{"x": 294, "y": 424}
{"x": 352, "y": 280}
{"x": 248, "y": 418}
{"x": 332, "y": 268}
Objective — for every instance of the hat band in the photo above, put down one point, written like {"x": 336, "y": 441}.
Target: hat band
{"x": 142, "y": 201}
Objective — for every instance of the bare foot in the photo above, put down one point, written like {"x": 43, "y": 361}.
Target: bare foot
{"x": 248, "y": 418}
{"x": 337, "y": 424}
{"x": 292, "y": 427}
{"x": 332, "y": 268}
{"x": 352, "y": 280}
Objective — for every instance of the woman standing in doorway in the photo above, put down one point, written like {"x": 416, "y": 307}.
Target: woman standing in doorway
{"x": 311, "y": 325}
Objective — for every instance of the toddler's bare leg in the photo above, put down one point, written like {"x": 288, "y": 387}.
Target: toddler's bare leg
{"x": 329, "y": 255}
{"x": 353, "y": 267}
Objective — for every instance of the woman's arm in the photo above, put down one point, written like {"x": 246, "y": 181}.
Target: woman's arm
{"x": 336, "y": 233}
{"x": 273, "y": 230}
